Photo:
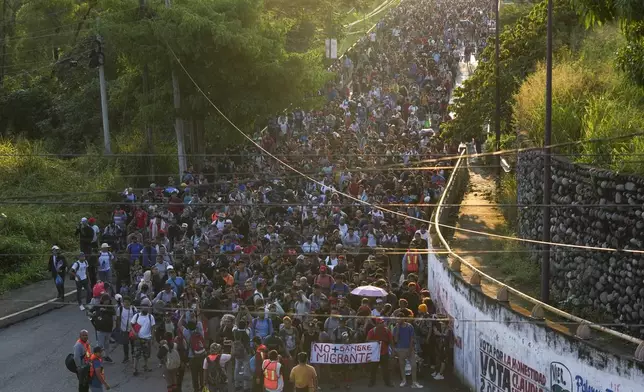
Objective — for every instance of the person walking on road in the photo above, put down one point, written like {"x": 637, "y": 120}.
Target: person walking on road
{"x": 82, "y": 353}
{"x": 304, "y": 376}
{"x": 105, "y": 260}
{"x": 381, "y": 334}
{"x": 405, "y": 348}
{"x": 96, "y": 371}
{"x": 102, "y": 317}
{"x": 81, "y": 278}
{"x": 58, "y": 268}
{"x": 143, "y": 329}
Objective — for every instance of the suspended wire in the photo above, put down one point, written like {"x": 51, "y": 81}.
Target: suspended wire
{"x": 606, "y": 249}
{"x": 376, "y": 206}
{"x": 87, "y": 21}
{"x": 39, "y": 68}
{"x": 439, "y": 317}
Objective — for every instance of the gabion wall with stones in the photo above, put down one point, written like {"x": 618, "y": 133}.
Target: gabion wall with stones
{"x": 592, "y": 207}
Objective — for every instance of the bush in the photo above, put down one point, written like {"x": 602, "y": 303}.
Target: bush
{"x": 31, "y": 183}
{"x": 592, "y": 100}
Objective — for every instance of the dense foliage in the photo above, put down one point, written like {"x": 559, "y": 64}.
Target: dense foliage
{"x": 591, "y": 100}
{"x": 253, "y": 57}
{"x": 522, "y": 46}
{"x": 630, "y": 15}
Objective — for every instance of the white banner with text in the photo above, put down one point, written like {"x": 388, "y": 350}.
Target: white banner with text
{"x": 340, "y": 354}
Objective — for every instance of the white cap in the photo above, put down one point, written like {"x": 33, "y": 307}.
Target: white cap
{"x": 105, "y": 245}
{"x": 170, "y": 268}
{"x": 83, "y": 219}
{"x": 55, "y": 247}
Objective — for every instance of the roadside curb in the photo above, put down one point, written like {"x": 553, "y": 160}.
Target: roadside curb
{"x": 34, "y": 311}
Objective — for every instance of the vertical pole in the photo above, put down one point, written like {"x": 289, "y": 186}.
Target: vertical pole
{"x": 146, "y": 99}
{"x": 497, "y": 93}
{"x": 178, "y": 121}
{"x": 3, "y": 46}
{"x": 547, "y": 177}
{"x": 103, "y": 86}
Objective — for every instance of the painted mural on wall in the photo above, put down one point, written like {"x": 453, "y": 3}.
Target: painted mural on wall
{"x": 501, "y": 372}
{"x": 496, "y": 357}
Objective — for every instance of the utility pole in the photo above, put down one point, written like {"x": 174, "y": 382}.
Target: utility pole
{"x": 497, "y": 93}
{"x": 178, "y": 121}
{"x": 146, "y": 98}
{"x": 547, "y": 176}
{"x": 100, "y": 58}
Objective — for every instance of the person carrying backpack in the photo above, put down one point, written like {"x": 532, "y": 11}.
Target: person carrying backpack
{"x": 78, "y": 361}
{"x": 241, "y": 352}
{"x": 193, "y": 333}
{"x": 143, "y": 326}
{"x": 214, "y": 372}
{"x": 170, "y": 357}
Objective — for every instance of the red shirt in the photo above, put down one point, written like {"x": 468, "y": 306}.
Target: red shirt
{"x": 141, "y": 219}
{"x": 383, "y": 336}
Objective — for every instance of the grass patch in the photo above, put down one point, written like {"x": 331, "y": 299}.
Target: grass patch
{"x": 29, "y": 223}
{"x": 592, "y": 99}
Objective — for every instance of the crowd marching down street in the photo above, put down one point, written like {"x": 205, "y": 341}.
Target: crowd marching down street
{"x": 244, "y": 275}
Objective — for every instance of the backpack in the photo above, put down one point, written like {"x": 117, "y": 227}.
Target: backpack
{"x": 216, "y": 375}
{"x": 172, "y": 359}
{"x": 270, "y": 326}
{"x": 181, "y": 346}
{"x": 239, "y": 350}
{"x": 83, "y": 372}
{"x": 252, "y": 364}
{"x": 197, "y": 343}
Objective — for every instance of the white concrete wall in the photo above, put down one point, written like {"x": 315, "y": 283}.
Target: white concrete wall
{"x": 499, "y": 350}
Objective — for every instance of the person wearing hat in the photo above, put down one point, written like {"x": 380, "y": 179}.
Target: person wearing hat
{"x": 105, "y": 260}
{"x": 215, "y": 363}
{"x": 80, "y": 276}
{"x": 380, "y": 333}
{"x": 58, "y": 268}
{"x": 97, "y": 372}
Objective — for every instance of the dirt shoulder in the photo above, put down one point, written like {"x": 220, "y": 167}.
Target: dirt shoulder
{"x": 504, "y": 260}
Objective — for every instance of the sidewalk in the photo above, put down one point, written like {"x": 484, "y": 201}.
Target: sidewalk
{"x": 32, "y": 300}
{"x": 504, "y": 260}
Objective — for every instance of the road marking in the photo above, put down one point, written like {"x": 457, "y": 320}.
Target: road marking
{"x": 40, "y": 305}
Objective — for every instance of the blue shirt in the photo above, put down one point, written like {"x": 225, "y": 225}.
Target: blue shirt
{"x": 134, "y": 250}
{"x": 178, "y": 284}
{"x": 404, "y": 335}
{"x": 97, "y": 364}
{"x": 262, "y": 328}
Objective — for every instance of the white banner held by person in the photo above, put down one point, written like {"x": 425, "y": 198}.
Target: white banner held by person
{"x": 339, "y": 354}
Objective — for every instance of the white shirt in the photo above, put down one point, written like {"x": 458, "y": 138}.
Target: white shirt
{"x": 80, "y": 269}
{"x": 311, "y": 247}
{"x": 224, "y": 359}
{"x": 126, "y": 316}
{"x": 104, "y": 261}
{"x": 146, "y": 321}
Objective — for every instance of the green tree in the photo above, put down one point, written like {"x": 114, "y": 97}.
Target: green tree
{"x": 522, "y": 46}
{"x": 630, "y": 15}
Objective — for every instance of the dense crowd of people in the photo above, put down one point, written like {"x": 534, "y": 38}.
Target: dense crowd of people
{"x": 227, "y": 276}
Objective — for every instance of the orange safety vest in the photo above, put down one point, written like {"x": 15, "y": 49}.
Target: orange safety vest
{"x": 88, "y": 350}
{"x": 91, "y": 368}
{"x": 271, "y": 375}
{"x": 412, "y": 262}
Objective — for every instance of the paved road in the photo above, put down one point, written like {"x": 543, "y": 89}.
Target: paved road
{"x": 32, "y": 357}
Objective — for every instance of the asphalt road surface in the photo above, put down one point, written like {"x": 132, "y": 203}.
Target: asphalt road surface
{"x": 32, "y": 355}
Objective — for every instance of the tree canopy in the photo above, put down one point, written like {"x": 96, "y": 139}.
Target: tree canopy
{"x": 252, "y": 57}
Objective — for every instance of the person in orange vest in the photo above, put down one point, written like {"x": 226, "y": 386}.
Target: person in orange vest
{"x": 273, "y": 373}
{"x": 82, "y": 352}
{"x": 412, "y": 262}
{"x": 96, "y": 371}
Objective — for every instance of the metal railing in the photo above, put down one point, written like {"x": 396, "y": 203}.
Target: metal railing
{"x": 516, "y": 292}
